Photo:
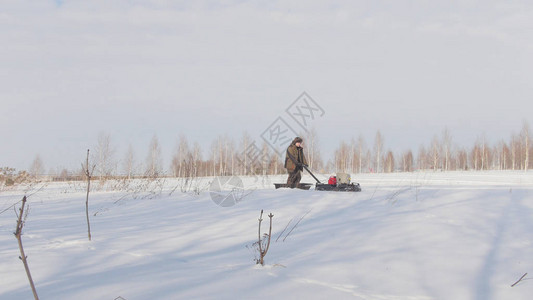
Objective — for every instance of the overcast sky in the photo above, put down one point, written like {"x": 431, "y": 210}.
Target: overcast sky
{"x": 70, "y": 70}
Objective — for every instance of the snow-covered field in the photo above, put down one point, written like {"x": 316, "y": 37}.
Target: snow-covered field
{"x": 454, "y": 235}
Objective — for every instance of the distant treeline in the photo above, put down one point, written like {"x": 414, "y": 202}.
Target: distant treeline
{"x": 228, "y": 157}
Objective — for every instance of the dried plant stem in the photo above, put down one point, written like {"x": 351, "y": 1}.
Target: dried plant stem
{"x": 263, "y": 252}
{"x": 23, "y": 257}
{"x": 88, "y": 174}
{"x": 270, "y": 216}
{"x": 519, "y": 280}
{"x": 286, "y": 226}
{"x": 259, "y": 239}
{"x": 296, "y": 225}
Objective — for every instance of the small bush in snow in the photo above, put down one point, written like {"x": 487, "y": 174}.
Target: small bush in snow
{"x": 262, "y": 245}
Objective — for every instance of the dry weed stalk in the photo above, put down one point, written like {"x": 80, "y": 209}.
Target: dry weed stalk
{"x": 23, "y": 257}
{"x": 263, "y": 252}
{"x": 88, "y": 174}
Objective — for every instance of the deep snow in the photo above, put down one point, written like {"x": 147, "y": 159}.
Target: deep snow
{"x": 425, "y": 235}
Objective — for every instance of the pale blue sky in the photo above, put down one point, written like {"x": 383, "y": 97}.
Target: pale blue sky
{"x": 205, "y": 69}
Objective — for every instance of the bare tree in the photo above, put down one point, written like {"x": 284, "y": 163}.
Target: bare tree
{"x": 129, "y": 162}
{"x": 504, "y": 156}
{"x": 265, "y": 159}
{"x": 435, "y": 153}
{"x": 246, "y": 142}
{"x": 154, "y": 160}
{"x": 378, "y": 149}
{"x": 311, "y": 148}
{"x": 352, "y": 156}
{"x": 447, "y": 145}
{"x": 187, "y": 163}
{"x": 276, "y": 163}
{"x": 354, "y": 159}
{"x": 264, "y": 244}
{"x": 232, "y": 158}
{"x": 104, "y": 156}
{"x": 526, "y": 142}
{"x": 388, "y": 164}
{"x": 342, "y": 156}
{"x": 23, "y": 257}
{"x": 368, "y": 159}
{"x": 462, "y": 159}
{"x": 485, "y": 154}
{"x": 360, "y": 151}
{"x": 220, "y": 153}
{"x": 226, "y": 150}
{"x": 422, "y": 160}
{"x": 515, "y": 152}
{"x": 64, "y": 174}
{"x": 88, "y": 171}
{"x": 184, "y": 165}
{"x": 221, "y": 162}
{"x": 37, "y": 167}
{"x": 481, "y": 155}
{"x": 180, "y": 156}
{"x": 407, "y": 161}
{"x": 476, "y": 157}
{"x": 212, "y": 162}
{"x": 197, "y": 160}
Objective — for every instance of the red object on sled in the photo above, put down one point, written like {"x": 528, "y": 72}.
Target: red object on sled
{"x": 332, "y": 180}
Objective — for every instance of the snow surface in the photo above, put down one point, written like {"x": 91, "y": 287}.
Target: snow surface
{"x": 453, "y": 235}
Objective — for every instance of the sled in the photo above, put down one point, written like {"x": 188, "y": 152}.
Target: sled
{"x": 342, "y": 184}
{"x": 302, "y": 186}
{"x": 339, "y": 187}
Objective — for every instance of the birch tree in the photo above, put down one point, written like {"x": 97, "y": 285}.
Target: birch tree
{"x": 435, "y": 153}
{"x": 462, "y": 159}
{"x": 504, "y": 155}
{"x": 388, "y": 164}
{"x": 104, "y": 156}
{"x": 526, "y": 142}
{"x": 212, "y": 161}
{"x": 447, "y": 145}
{"x": 179, "y": 159}
{"x": 37, "y": 167}
{"x": 153, "y": 160}
{"x": 422, "y": 158}
{"x": 342, "y": 158}
{"x": 242, "y": 154}
{"x": 196, "y": 161}
{"x": 265, "y": 159}
{"x": 361, "y": 150}
{"x": 311, "y": 148}
{"x": 378, "y": 149}
{"x": 481, "y": 154}
{"x": 129, "y": 162}
{"x": 407, "y": 161}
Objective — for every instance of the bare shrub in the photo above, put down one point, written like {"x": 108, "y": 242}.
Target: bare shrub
{"x": 263, "y": 243}
{"x": 88, "y": 174}
{"x": 22, "y": 216}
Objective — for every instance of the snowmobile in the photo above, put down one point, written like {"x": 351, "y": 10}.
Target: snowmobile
{"x": 339, "y": 183}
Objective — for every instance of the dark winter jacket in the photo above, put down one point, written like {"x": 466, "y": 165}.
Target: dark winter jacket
{"x": 294, "y": 158}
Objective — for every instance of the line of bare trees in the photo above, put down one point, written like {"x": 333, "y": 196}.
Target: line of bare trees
{"x": 247, "y": 156}
{"x": 440, "y": 154}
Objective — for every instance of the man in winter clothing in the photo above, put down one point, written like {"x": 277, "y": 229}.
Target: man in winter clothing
{"x": 294, "y": 162}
